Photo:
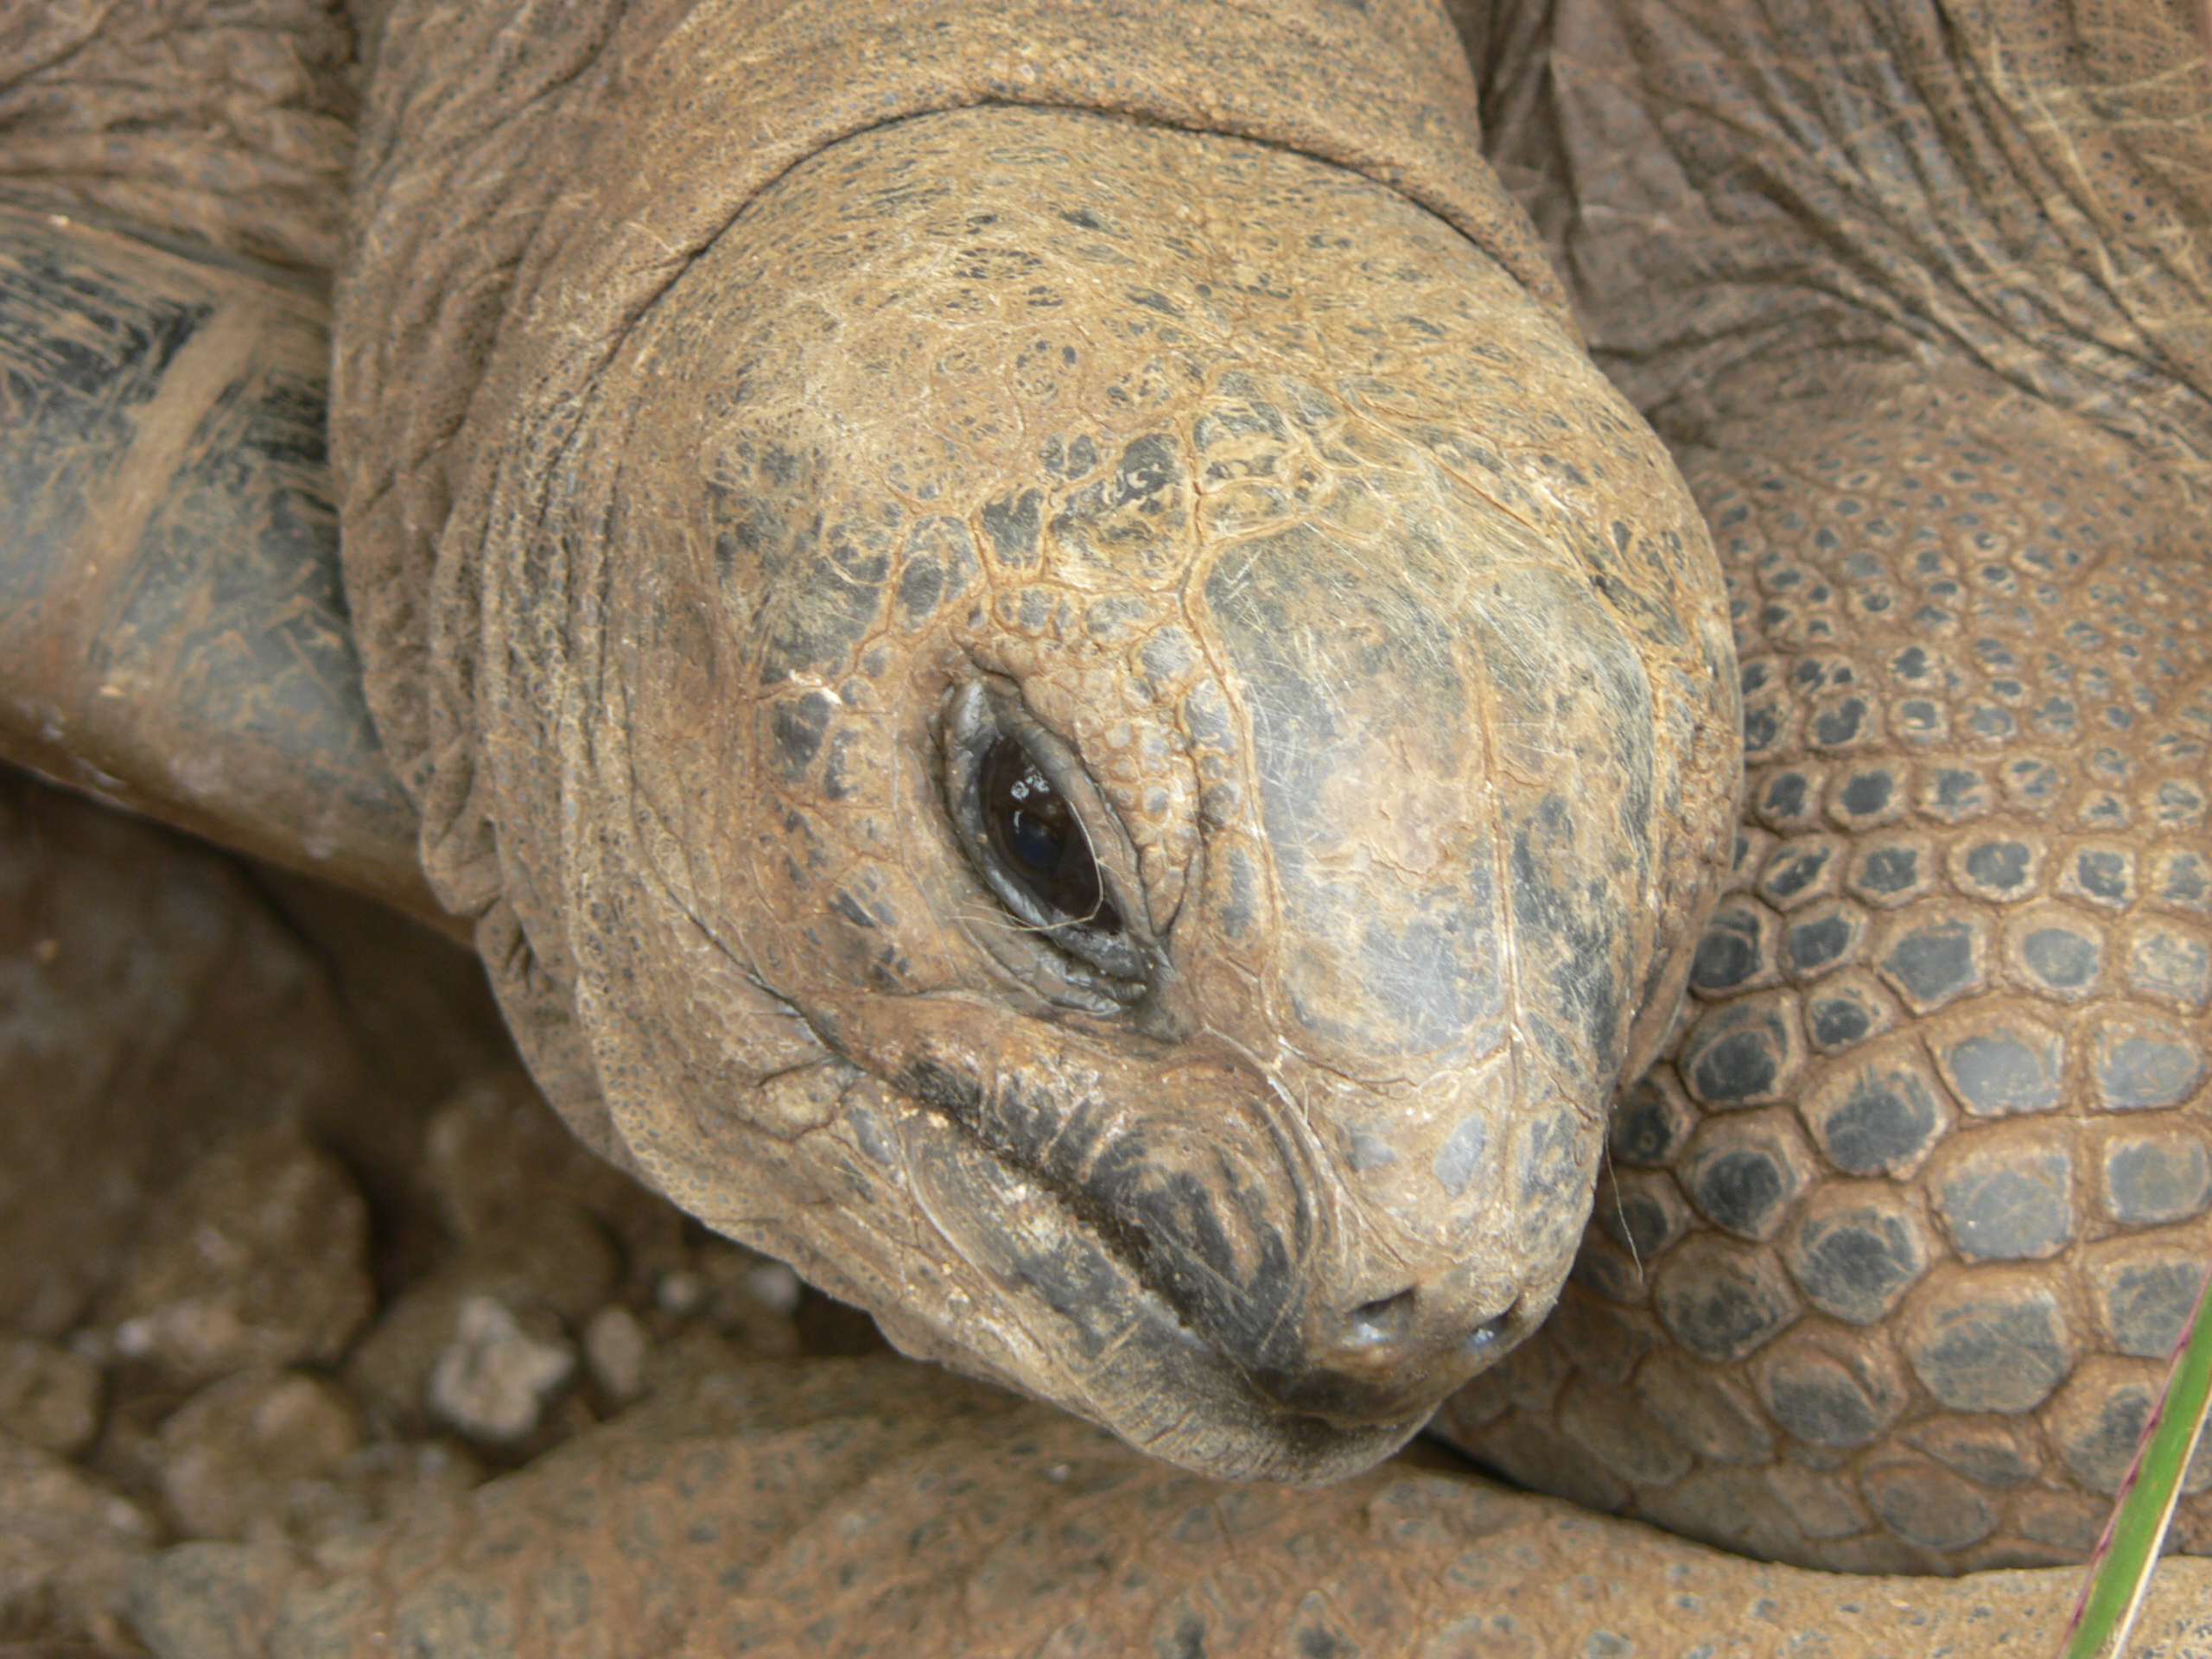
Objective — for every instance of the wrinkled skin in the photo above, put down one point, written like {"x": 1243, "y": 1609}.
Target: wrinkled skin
{"x": 721, "y": 556}
{"x": 1375, "y": 695}
{"x": 1984, "y": 265}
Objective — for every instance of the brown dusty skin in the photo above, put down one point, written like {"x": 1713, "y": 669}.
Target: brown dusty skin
{"x": 173, "y": 633}
{"x": 553, "y": 672}
{"x": 1068, "y": 1543}
{"x": 230, "y": 125}
{"x": 776, "y": 475}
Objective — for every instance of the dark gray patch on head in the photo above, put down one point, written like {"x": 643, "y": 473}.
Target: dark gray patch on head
{"x": 849, "y": 907}
{"x": 1428, "y": 973}
{"x": 1069, "y": 458}
{"x": 1128, "y": 514}
{"x": 1462, "y": 1151}
{"x": 814, "y": 590}
{"x": 1213, "y": 1245}
{"x": 1249, "y": 416}
{"x": 1368, "y": 1150}
{"x": 1168, "y": 655}
{"x": 920, "y": 586}
{"x": 1551, "y": 1169}
{"x": 1241, "y": 912}
{"x": 1582, "y": 979}
{"x": 798, "y": 727}
{"x": 1150, "y": 467}
{"x": 1034, "y": 608}
{"x": 1112, "y": 618}
{"x": 940, "y": 565}
{"x": 1206, "y": 716}
{"x": 1015, "y": 525}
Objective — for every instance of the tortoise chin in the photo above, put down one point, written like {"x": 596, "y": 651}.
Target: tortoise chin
{"x": 1103, "y": 785}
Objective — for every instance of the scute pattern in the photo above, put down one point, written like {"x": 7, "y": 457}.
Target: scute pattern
{"x": 1939, "y": 1276}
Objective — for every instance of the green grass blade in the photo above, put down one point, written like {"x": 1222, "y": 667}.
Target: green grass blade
{"x": 2120, "y": 1570}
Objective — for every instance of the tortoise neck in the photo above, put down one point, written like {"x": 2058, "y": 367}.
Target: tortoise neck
{"x": 2015, "y": 186}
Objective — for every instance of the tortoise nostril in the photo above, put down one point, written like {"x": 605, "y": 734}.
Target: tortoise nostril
{"x": 1487, "y": 1333}
{"x": 1383, "y": 1319}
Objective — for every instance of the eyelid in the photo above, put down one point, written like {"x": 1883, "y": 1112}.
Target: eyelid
{"x": 1120, "y": 964}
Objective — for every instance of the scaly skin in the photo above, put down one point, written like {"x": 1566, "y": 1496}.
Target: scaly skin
{"x": 851, "y": 1508}
{"x": 1368, "y": 636}
{"x": 1899, "y": 1239}
{"x": 1770, "y": 331}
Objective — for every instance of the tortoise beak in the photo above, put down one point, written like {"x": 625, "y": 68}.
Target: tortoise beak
{"x": 1248, "y": 1225}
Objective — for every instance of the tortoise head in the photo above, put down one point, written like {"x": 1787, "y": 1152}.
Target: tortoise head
{"x": 1136, "y": 738}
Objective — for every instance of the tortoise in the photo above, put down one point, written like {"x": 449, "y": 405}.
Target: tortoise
{"x": 1123, "y": 775}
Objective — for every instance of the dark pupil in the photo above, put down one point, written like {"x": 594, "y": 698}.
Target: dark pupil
{"x": 1042, "y": 845}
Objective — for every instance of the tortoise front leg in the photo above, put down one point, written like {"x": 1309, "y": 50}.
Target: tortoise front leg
{"x": 173, "y": 635}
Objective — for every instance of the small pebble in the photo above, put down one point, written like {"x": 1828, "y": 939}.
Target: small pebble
{"x": 682, "y": 1293}
{"x": 228, "y": 1458}
{"x": 50, "y": 1396}
{"x": 68, "y": 1546}
{"x": 493, "y": 1380}
{"x": 497, "y": 1155}
{"x": 550, "y": 1275}
{"x": 614, "y": 1349}
{"x": 775, "y": 1285}
{"x": 258, "y": 1258}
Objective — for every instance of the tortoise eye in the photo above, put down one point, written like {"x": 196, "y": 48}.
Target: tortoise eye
{"x": 1038, "y": 840}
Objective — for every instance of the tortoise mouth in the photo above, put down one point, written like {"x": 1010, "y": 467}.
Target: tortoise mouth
{"x": 1080, "y": 1316}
